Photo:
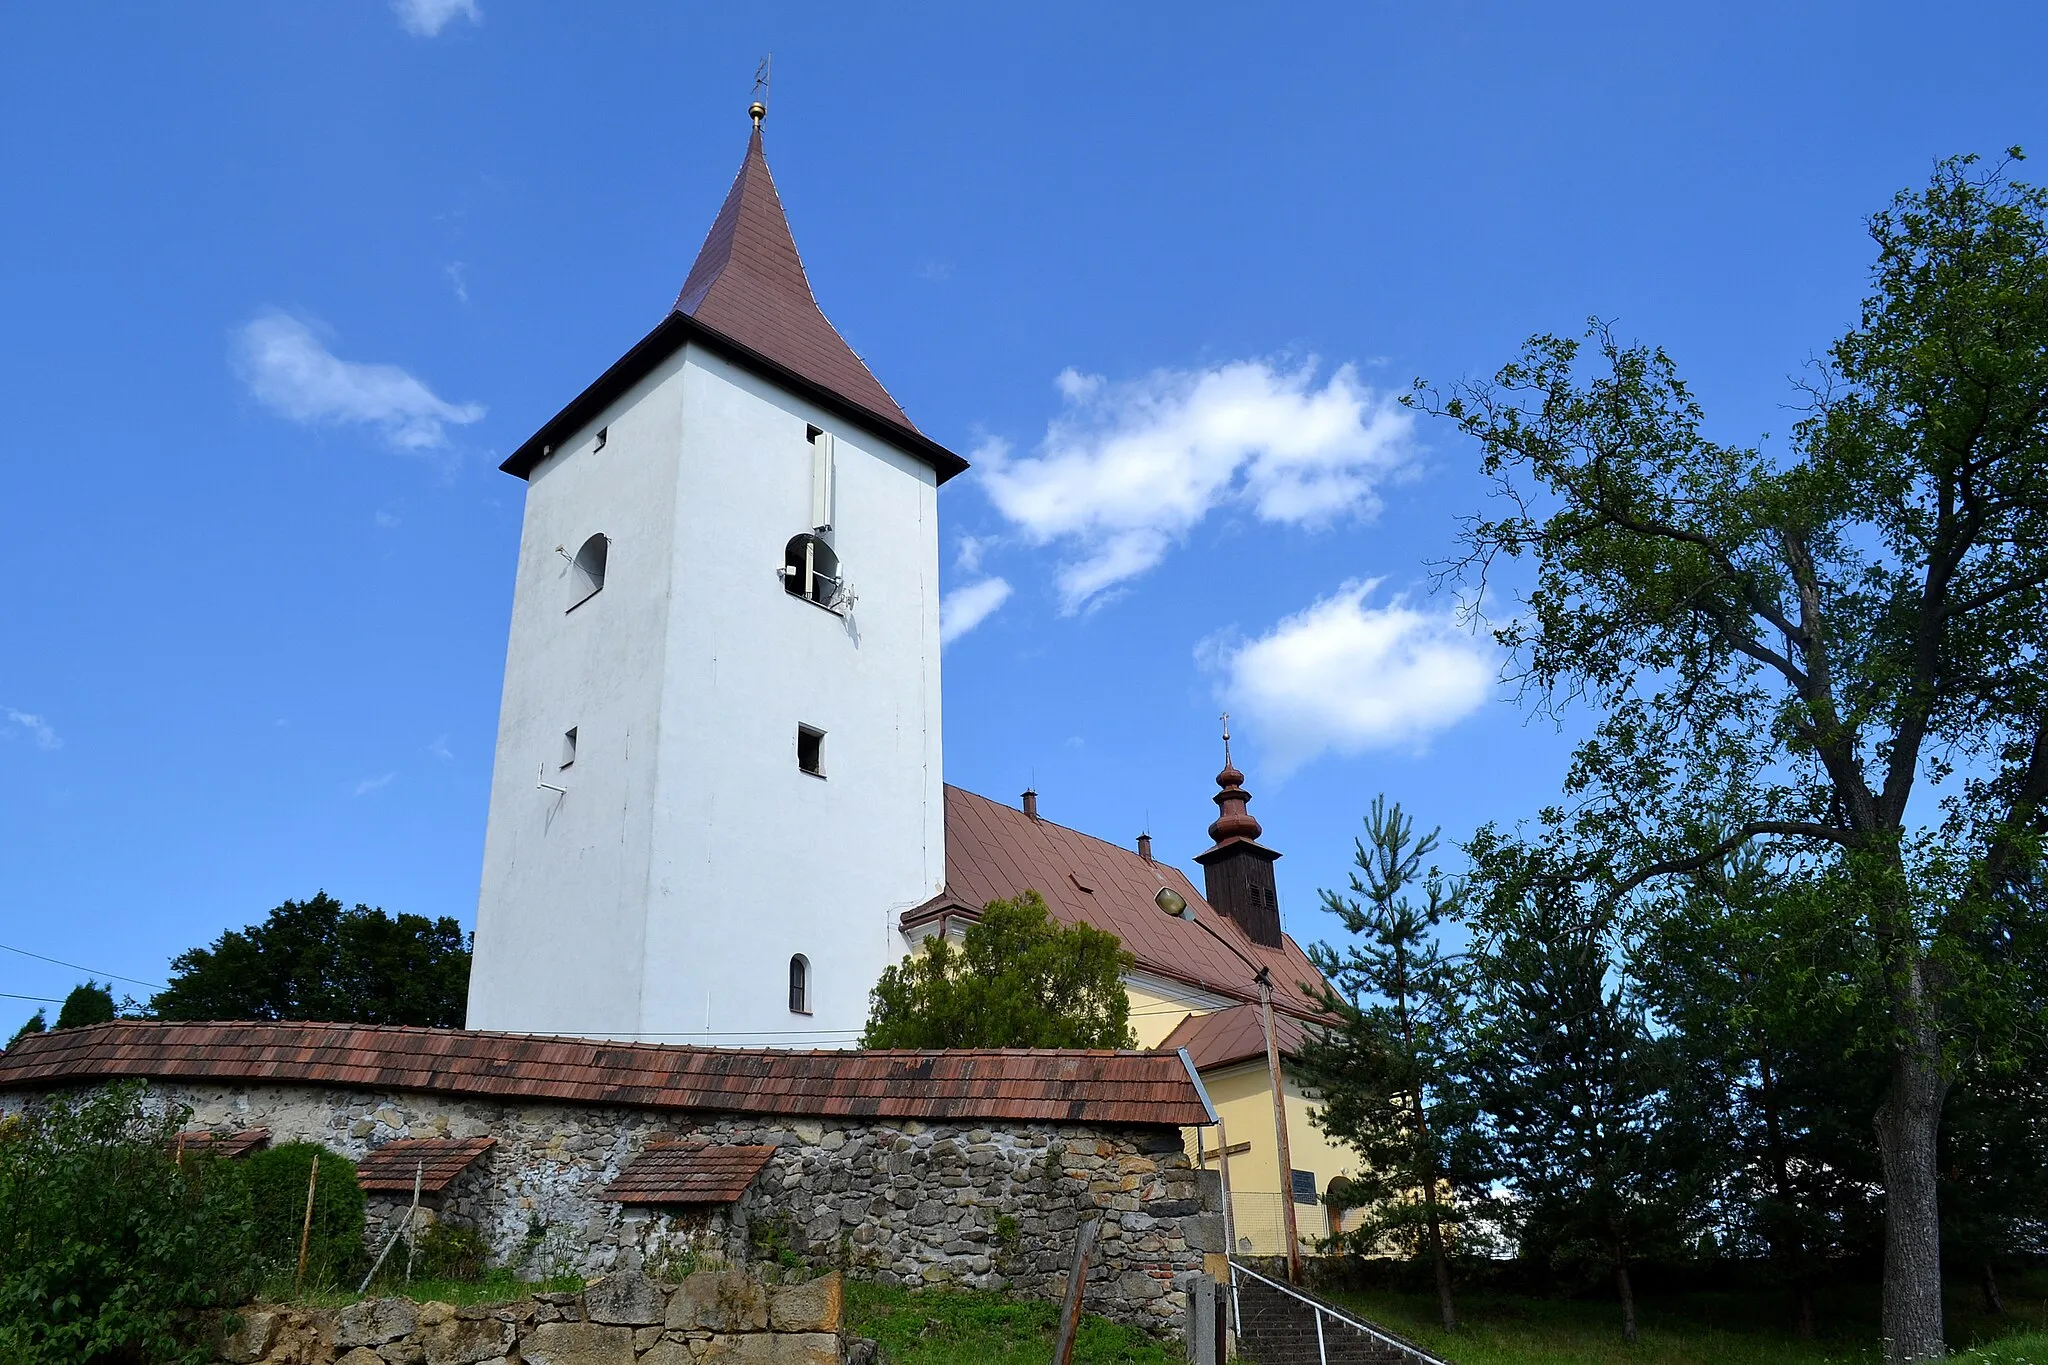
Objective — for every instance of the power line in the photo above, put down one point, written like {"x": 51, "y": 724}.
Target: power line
{"x": 133, "y": 981}
{"x": 39, "y": 999}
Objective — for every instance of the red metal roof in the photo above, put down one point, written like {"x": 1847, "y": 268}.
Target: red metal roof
{"x": 202, "y": 1142}
{"x": 995, "y": 852}
{"x": 436, "y": 1161}
{"x": 1225, "y": 1037}
{"x": 748, "y": 282}
{"x": 1002, "y": 1084}
{"x": 688, "y": 1173}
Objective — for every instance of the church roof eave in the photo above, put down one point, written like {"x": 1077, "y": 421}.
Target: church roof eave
{"x": 670, "y": 335}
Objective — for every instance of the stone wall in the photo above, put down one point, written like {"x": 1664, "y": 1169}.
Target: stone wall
{"x": 623, "y": 1319}
{"x": 904, "y": 1203}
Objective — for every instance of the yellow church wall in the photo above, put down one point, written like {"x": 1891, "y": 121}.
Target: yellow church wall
{"x": 1243, "y": 1100}
{"x": 1157, "y": 1007}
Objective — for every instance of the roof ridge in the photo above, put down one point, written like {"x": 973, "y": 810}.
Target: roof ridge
{"x": 1082, "y": 833}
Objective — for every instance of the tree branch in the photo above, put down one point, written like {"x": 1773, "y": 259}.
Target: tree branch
{"x": 1796, "y": 829}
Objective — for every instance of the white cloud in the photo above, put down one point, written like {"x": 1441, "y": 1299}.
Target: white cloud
{"x": 426, "y": 18}
{"x": 38, "y": 730}
{"x": 456, "y": 270}
{"x": 1126, "y": 469}
{"x": 962, "y": 609}
{"x": 370, "y": 784}
{"x": 1345, "y": 676}
{"x": 290, "y": 371}
{"x": 968, "y": 552}
{"x": 439, "y": 748}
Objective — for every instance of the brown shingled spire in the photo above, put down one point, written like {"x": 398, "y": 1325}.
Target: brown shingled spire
{"x": 1239, "y": 869}
{"x": 749, "y": 284}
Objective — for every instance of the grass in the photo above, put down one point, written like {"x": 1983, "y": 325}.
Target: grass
{"x": 493, "y": 1286}
{"x": 1699, "y": 1328}
{"x": 973, "y": 1327}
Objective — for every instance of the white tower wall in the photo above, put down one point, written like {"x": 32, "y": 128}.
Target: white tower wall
{"x": 663, "y": 894}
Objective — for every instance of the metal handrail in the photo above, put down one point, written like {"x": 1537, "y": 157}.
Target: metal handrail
{"x": 1322, "y": 1351}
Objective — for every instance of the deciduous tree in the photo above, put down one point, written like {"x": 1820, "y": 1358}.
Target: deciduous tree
{"x": 1018, "y": 978}
{"x": 316, "y": 959}
{"x": 1788, "y": 648}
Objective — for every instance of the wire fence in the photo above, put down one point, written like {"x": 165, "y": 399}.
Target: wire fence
{"x": 1259, "y": 1223}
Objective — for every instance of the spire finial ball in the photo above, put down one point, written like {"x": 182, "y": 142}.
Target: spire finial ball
{"x": 757, "y": 111}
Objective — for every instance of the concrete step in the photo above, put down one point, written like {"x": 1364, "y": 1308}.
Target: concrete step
{"x": 1275, "y": 1327}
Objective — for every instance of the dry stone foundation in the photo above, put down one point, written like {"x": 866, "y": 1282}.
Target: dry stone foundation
{"x": 627, "y": 1318}
{"x": 904, "y": 1202}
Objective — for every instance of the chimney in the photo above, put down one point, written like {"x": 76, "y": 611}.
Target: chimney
{"x": 1031, "y": 803}
{"x": 1145, "y": 847}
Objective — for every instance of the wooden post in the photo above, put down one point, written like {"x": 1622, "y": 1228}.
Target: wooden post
{"x": 1293, "y": 1236}
{"x": 1223, "y": 1172}
{"x": 412, "y": 1220}
{"x": 306, "y": 1228}
{"x": 1070, "y": 1307}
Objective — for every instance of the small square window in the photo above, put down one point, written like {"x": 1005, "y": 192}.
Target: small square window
{"x": 810, "y": 750}
{"x": 603, "y": 434}
{"x": 1304, "y": 1184}
{"x": 568, "y": 746}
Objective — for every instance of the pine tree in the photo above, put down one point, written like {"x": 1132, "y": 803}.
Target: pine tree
{"x": 1573, "y": 1085}
{"x": 1387, "y": 1063}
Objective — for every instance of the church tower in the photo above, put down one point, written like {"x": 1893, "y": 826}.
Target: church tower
{"x": 1237, "y": 868}
{"x": 718, "y": 780}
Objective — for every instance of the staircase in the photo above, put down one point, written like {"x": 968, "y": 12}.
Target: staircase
{"x": 1280, "y": 1324}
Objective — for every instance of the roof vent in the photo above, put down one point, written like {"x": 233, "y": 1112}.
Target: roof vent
{"x": 1145, "y": 847}
{"x": 1031, "y": 803}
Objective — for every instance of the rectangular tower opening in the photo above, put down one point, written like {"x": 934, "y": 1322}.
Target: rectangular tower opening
{"x": 568, "y": 746}
{"x": 810, "y": 750}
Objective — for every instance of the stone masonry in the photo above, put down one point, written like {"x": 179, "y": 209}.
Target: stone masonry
{"x": 626, "y": 1318}
{"x": 902, "y": 1202}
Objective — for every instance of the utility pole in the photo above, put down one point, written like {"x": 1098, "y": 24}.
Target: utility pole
{"x": 1265, "y": 980}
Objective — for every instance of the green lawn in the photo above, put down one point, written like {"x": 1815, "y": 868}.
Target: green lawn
{"x": 1698, "y": 1329}
{"x": 960, "y": 1327}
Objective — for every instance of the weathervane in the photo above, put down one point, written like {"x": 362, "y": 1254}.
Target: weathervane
{"x": 758, "y": 110}
{"x": 1226, "y": 739}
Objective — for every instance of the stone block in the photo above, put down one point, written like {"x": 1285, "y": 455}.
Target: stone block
{"x": 625, "y": 1298}
{"x": 361, "y": 1355}
{"x": 466, "y": 1341}
{"x": 669, "y": 1353}
{"x": 1137, "y": 1286}
{"x": 252, "y": 1340}
{"x": 803, "y": 1348}
{"x": 720, "y": 1300}
{"x": 372, "y": 1322}
{"x": 577, "y": 1343}
{"x": 815, "y": 1306}
{"x": 1203, "y": 1232}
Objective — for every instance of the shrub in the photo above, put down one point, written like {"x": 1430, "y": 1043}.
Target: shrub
{"x": 110, "y": 1249}
{"x": 447, "y": 1252}
{"x": 277, "y": 1198}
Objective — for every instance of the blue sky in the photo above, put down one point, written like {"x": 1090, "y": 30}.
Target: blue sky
{"x": 1158, "y": 270}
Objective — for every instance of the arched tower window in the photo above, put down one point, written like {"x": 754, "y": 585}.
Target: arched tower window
{"x": 799, "y": 984}
{"x": 811, "y": 569}
{"x": 586, "y": 571}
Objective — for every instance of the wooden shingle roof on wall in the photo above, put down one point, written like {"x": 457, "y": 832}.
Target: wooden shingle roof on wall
{"x": 1012, "y": 1085}
{"x": 435, "y": 1162}
{"x": 688, "y": 1173}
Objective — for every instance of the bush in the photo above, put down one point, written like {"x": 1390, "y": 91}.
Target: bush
{"x": 277, "y": 1198}
{"x": 447, "y": 1252}
{"x": 110, "y": 1249}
